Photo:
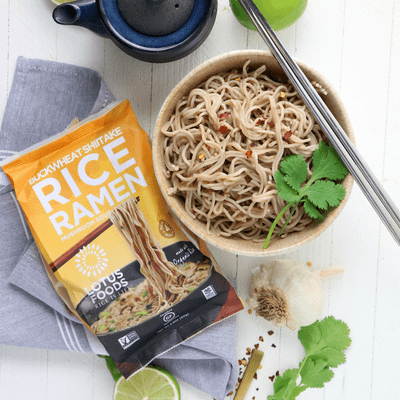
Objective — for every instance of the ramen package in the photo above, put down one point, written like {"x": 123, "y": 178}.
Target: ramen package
{"x": 113, "y": 252}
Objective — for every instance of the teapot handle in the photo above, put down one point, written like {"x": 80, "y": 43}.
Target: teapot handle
{"x": 82, "y": 13}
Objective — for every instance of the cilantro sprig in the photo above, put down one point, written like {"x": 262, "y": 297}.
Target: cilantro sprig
{"x": 318, "y": 194}
{"x": 324, "y": 342}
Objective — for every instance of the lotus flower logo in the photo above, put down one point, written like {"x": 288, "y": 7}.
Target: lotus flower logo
{"x": 91, "y": 260}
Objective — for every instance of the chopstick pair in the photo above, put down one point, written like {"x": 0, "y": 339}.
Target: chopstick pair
{"x": 368, "y": 183}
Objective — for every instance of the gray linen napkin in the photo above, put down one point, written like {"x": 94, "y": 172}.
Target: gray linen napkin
{"x": 45, "y": 97}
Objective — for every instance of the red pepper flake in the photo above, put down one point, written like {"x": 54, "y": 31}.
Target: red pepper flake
{"x": 272, "y": 378}
{"x": 257, "y": 389}
{"x": 271, "y": 123}
{"x": 253, "y": 398}
{"x": 255, "y": 376}
{"x": 270, "y": 333}
{"x": 256, "y": 346}
{"x": 248, "y": 153}
{"x": 261, "y": 339}
{"x": 240, "y": 362}
{"x": 223, "y": 115}
{"x": 207, "y": 147}
{"x": 260, "y": 121}
{"x": 277, "y": 373}
{"x": 273, "y": 345}
{"x": 223, "y": 129}
{"x": 287, "y": 135}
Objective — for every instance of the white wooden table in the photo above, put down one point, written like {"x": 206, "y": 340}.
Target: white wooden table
{"x": 356, "y": 45}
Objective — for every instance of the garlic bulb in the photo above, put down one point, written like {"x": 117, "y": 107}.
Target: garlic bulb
{"x": 288, "y": 293}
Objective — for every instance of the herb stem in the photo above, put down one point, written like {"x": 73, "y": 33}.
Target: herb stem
{"x": 271, "y": 230}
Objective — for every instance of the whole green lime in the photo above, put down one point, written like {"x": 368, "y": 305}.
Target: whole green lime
{"x": 279, "y": 13}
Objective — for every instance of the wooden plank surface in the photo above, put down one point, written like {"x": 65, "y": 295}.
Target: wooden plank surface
{"x": 356, "y": 45}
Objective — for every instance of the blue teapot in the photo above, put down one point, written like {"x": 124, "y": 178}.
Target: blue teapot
{"x": 149, "y": 30}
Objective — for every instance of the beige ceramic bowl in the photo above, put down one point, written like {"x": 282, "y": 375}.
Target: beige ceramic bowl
{"x": 213, "y": 66}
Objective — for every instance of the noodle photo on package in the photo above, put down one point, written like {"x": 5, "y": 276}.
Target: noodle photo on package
{"x": 165, "y": 283}
{"x": 223, "y": 144}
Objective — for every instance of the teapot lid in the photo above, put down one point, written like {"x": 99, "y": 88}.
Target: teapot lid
{"x": 155, "y": 17}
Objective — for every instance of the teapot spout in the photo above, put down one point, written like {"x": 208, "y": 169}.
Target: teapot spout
{"x": 82, "y": 13}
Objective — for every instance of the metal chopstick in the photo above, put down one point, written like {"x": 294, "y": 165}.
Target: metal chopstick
{"x": 368, "y": 183}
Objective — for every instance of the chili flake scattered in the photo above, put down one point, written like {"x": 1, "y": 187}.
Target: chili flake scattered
{"x": 287, "y": 135}
{"x": 207, "y": 147}
{"x": 260, "y": 121}
{"x": 272, "y": 378}
{"x": 201, "y": 156}
{"x": 261, "y": 339}
{"x": 240, "y": 362}
{"x": 277, "y": 373}
{"x": 223, "y": 115}
{"x": 223, "y": 129}
{"x": 256, "y": 346}
{"x": 270, "y": 333}
{"x": 248, "y": 153}
{"x": 271, "y": 123}
{"x": 255, "y": 376}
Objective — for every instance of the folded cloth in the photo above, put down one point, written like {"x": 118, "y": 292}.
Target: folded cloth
{"x": 45, "y": 97}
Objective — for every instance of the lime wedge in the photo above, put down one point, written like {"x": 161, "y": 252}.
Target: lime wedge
{"x": 150, "y": 383}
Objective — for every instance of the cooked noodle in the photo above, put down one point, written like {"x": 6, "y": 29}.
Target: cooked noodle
{"x": 165, "y": 283}
{"x": 223, "y": 144}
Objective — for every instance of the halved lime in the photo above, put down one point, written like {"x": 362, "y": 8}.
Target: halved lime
{"x": 150, "y": 383}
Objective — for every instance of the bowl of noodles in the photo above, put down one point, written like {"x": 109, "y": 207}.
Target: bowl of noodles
{"x": 220, "y": 137}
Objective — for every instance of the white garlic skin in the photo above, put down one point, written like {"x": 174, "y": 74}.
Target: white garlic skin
{"x": 301, "y": 288}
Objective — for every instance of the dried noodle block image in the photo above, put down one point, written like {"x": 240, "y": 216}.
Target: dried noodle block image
{"x": 165, "y": 285}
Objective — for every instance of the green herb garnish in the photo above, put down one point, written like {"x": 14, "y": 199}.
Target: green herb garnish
{"x": 319, "y": 193}
{"x": 141, "y": 313}
{"x": 145, "y": 293}
{"x": 324, "y": 343}
{"x": 104, "y": 314}
{"x": 101, "y": 327}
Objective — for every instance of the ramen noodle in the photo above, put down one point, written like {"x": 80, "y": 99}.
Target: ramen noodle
{"x": 165, "y": 285}
{"x": 113, "y": 253}
{"x": 223, "y": 144}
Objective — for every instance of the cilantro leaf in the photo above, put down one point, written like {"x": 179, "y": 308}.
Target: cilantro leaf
{"x": 318, "y": 194}
{"x": 318, "y": 374}
{"x": 335, "y": 333}
{"x": 312, "y": 210}
{"x": 282, "y": 383}
{"x": 285, "y": 191}
{"x": 332, "y": 357}
{"x": 328, "y": 164}
{"x": 310, "y": 337}
{"x": 324, "y": 342}
{"x": 295, "y": 170}
{"x": 326, "y": 193}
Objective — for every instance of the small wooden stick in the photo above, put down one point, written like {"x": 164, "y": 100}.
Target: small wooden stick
{"x": 251, "y": 369}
